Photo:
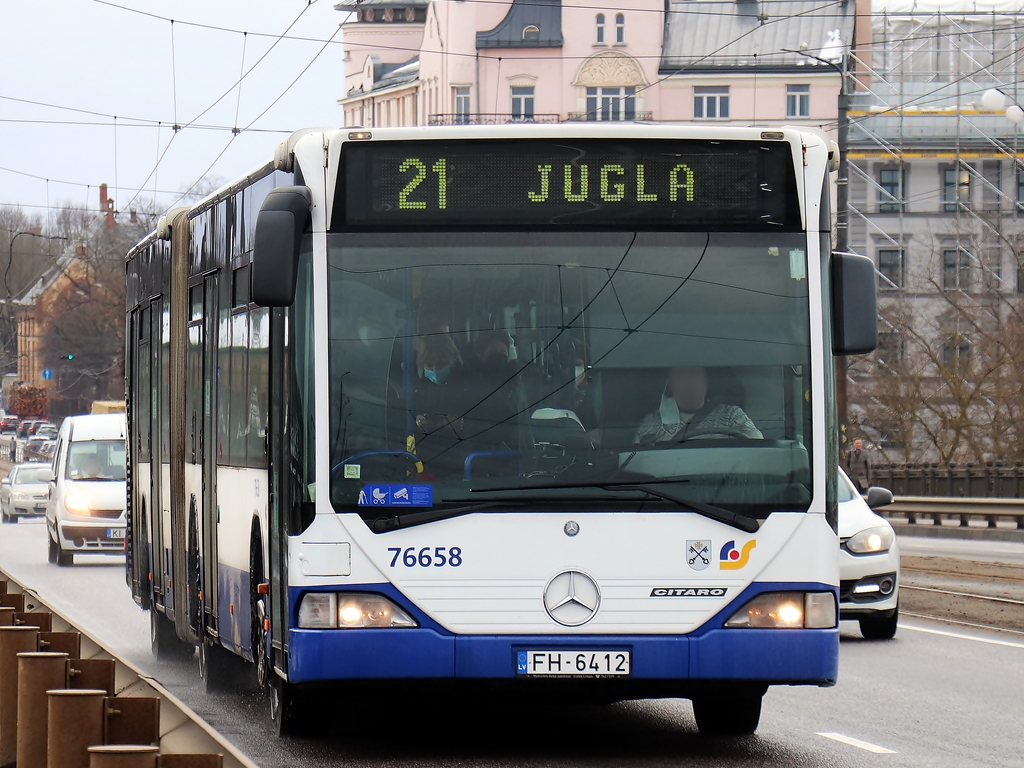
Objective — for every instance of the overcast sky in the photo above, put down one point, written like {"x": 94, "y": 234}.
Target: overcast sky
{"x": 88, "y": 55}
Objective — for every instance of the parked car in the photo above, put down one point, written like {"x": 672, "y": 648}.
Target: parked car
{"x": 869, "y": 561}
{"x": 22, "y": 494}
{"x": 86, "y": 510}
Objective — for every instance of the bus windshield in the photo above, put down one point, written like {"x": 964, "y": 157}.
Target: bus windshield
{"x": 543, "y": 368}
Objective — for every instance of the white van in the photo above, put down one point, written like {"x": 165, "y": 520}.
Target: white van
{"x": 85, "y": 513}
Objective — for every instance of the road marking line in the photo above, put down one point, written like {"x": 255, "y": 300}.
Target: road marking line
{"x": 962, "y": 637}
{"x": 858, "y": 743}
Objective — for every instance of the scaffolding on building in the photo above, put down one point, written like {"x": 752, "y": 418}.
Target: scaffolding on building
{"x": 914, "y": 96}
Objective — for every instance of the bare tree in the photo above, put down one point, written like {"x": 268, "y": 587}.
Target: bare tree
{"x": 945, "y": 383}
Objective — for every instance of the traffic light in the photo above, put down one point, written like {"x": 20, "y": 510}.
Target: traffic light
{"x": 67, "y": 357}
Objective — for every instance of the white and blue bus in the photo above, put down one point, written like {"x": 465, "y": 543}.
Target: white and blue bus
{"x": 547, "y": 409}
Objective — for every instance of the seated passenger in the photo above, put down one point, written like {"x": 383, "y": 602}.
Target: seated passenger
{"x": 494, "y": 393}
{"x": 687, "y": 412}
{"x": 439, "y": 396}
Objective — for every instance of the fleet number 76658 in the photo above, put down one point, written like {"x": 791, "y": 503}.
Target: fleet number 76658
{"x": 423, "y": 557}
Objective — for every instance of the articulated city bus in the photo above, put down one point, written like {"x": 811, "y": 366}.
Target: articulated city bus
{"x": 546, "y": 409}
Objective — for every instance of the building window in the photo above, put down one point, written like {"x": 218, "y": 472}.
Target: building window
{"x": 460, "y": 97}
{"x": 956, "y": 188}
{"x": 890, "y": 265}
{"x": 611, "y": 104}
{"x": 600, "y": 29}
{"x": 710, "y": 103}
{"x": 992, "y": 268}
{"x": 889, "y": 353}
{"x": 798, "y": 101}
{"x": 1020, "y": 188}
{"x": 522, "y": 102}
{"x": 531, "y": 33}
{"x": 620, "y": 28}
{"x": 891, "y": 191}
{"x": 956, "y": 270}
{"x": 956, "y": 355}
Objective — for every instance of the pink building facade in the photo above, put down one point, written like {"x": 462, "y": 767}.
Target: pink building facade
{"x": 417, "y": 62}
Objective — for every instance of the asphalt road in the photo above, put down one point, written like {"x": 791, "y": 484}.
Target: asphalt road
{"x": 938, "y": 695}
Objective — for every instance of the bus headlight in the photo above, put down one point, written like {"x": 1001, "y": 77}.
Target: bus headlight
{"x": 351, "y": 610}
{"x": 871, "y": 541}
{"x": 784, "y": 610}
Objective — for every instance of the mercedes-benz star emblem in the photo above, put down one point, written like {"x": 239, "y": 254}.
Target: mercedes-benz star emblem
{"x": 572, "y": 528}
{"x": 572, "y": 598}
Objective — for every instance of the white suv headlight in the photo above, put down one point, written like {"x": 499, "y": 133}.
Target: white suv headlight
{"x": 787, "y": 610}
{"x": 351, "y": 610}
{"x": 871, "y": 541}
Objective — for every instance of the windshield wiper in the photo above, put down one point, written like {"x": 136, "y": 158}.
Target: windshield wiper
{"x": 720, "y": 514}
{"x": 385, "y": 524}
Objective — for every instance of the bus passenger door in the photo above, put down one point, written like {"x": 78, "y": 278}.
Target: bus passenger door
{"x": 194, "y": 501}
{"x": 207, "y": 450}
{"x": 277, "y": 469}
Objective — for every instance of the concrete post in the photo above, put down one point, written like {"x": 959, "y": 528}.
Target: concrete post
{"x": 37, "y": 674}
{"x": 74, "y": 723}
{"x": 123, "y": 756}
{"x": 13, "y": 640}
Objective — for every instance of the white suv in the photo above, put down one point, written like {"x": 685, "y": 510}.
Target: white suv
{"x": 86, "y": 508}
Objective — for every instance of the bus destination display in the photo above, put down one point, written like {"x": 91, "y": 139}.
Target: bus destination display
{"x": 593, "y": 184}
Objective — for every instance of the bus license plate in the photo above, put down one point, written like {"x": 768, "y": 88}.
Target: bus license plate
{"x": 573, "y": 663}
{"x": 115, "y": 533}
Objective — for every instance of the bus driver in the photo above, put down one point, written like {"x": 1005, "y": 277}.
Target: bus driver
{"x": 686, "y": 412}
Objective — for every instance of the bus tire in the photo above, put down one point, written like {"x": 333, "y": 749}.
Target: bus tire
{"x": 258, "y": 614}
{"x": 164, "y": 639}
{"x": 738, "y": 715}
{"x": 297, "y": 713}
{"x": 880, "y": 629}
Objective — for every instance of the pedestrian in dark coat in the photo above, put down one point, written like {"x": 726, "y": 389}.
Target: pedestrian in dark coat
{"x": 858, "y": 466}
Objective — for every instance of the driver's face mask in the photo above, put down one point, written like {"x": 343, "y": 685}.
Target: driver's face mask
{"x": 669, "y": 410}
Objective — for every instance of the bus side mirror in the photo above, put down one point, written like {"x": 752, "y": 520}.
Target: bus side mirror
{"x": 283, "y": 218}
{"x": 854, "y": 305}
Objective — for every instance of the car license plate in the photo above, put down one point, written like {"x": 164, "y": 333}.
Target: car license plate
{"x": 40, "y": 505}
{"x": 115, "y": 533}
{"x": 573, "y": 663}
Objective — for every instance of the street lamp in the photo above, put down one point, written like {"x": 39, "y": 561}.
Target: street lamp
{"x": 5, "y": 312}
{"x": 994, "y": 100}
{"x": 10, "y": 252}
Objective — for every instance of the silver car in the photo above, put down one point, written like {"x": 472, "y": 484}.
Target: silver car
{"x": 22, "y": 494}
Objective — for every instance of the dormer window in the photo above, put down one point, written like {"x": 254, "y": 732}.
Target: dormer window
{"x": 620, "y": 28}
{"x": 600, "y": 29}
{"x": 531, "y": 33}
{"x": 389, "y": 14}
{"x": 368, "y": 14}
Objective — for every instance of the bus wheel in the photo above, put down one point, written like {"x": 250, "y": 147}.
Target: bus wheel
{"x": 734, "y": 716}
{"x": 297, "y": 713}
{"x": 164, "y": 639}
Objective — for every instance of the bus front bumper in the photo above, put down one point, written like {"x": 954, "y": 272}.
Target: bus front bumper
{"x": 769, "y": 656}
